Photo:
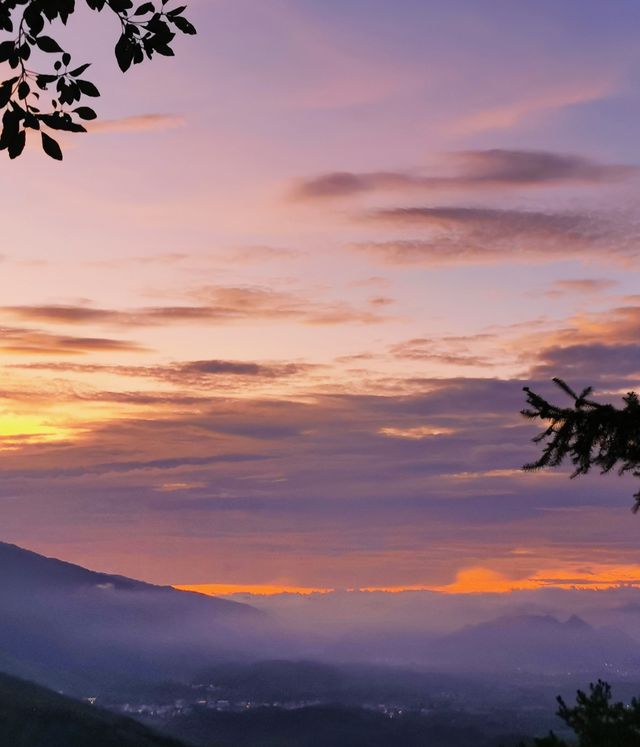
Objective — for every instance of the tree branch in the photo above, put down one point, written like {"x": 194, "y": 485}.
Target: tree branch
{"x": 589, "y": 434}
{"x": 146, "y": 30}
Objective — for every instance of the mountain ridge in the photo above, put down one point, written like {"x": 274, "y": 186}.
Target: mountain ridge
{"x": 538, "y": 642}
{"x": 30, "y": 560}
{"x": 75, "y": 629}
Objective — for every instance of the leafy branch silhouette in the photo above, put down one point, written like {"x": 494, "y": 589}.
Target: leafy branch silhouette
{"x": 145, "y": 30}
{"x": 589, "y": 434}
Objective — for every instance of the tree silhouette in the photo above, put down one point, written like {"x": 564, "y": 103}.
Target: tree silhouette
{"x": 589, "y": 434}
{"x": 144, "y": 31}
{"x": 596, "y": 721}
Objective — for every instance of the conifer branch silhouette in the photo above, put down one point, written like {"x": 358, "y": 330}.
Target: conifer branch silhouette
{"x": 597, "y": 721}
{"x": 589, "y": 434}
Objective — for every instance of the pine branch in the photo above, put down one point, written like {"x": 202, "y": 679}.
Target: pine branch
{"x": 588, "y": 434}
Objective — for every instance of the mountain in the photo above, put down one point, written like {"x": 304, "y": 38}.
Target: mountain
{"x": 32, "y": 716}
{"x": 22, "y": 569}
{"x": 537, "y": 643}
{"x": 74, "y": 629}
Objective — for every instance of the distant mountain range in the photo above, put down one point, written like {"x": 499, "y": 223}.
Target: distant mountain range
{"x": 94, "y": 634}
{"x": 89, "y": 633}
{"x": 538, "y": 643}
{"x": 74, "y": 629}
{"x": 535, "y": 644}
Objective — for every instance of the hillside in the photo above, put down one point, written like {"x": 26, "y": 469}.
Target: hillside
{"x": 22, "y": 571}
{"x": 339, "y": 726}
{"x": 32, "y": 716}
{"x": 77, "y": 630}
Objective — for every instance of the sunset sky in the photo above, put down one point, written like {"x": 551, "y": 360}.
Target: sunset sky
{"x": 268, "y": 323}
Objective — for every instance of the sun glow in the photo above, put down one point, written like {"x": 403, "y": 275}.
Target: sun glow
{"x": 19, "y": 429}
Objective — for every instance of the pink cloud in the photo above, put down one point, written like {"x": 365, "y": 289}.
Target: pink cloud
{"x": 137, "y": 123}
{"x": 509, "y": 115}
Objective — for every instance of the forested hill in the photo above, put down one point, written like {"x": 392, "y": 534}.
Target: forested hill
{"x": 32, "y": 716}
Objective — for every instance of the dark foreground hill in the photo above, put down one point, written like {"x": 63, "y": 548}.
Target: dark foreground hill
{"x": 337, "y": 726}
{"x": 80, "y": 631}
{"x": 32, "y": 716}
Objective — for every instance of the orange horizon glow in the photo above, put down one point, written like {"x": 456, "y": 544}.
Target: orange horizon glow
{"x": 598, "y": 578}
{"x": 267, "y": 590}
{"x": 473, "y": 580}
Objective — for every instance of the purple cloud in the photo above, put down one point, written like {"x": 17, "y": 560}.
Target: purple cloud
{"x": 476, "y": 169}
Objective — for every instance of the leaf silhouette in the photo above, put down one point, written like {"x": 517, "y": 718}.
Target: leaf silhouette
{"x": 145, "y": 31}
{"x": 51, "y": 147}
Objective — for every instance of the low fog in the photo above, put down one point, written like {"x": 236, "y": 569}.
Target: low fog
{"x": 75, "y": 630}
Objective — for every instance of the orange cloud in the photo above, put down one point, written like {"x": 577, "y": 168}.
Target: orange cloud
{"x": 221, "y": 590}
{"x": 595, "y": 345}
{"x": 24, "y": 341}
{"x": 215, "y": 304}
{"x": 582, "y": 286}
{"x": 480, "y": 580}
{"x": 471, "y": 580}
{"x": 415, "y": 433}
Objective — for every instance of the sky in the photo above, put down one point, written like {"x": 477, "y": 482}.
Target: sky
{"x": 268, "y": 324}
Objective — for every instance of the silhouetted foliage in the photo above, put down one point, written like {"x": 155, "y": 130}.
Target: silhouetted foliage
{"x": 145, "y": 30}
{"x": 590, "y": 434}
{"x": 597, "y": 722}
